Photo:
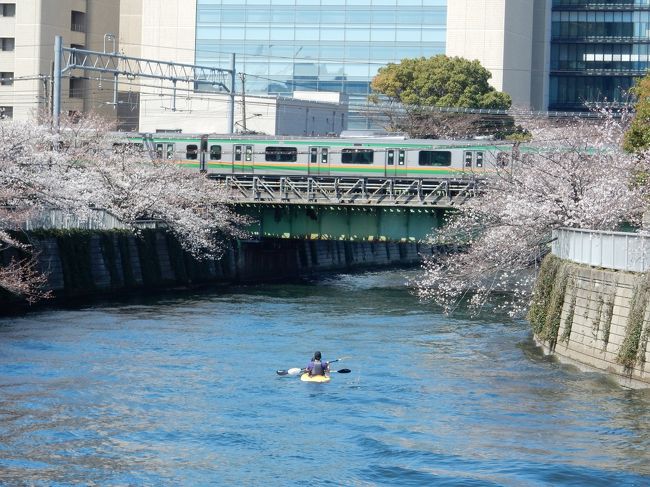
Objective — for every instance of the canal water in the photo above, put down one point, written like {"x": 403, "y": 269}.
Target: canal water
{"x": 182, "y": 390}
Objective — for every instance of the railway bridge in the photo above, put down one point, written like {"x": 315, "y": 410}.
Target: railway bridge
{"x": 346, "y": 208}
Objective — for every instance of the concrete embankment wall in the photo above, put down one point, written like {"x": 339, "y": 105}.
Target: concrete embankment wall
{"x": 83, "y": 263}
{"x": 594, "y": 318}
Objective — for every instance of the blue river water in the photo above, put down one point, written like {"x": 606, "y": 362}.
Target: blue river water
{"x": 182, "y": 390}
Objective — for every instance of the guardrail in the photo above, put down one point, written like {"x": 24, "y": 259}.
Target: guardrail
{"x": 611, "y": 250}
{"x": 339, "y": 190}
{"x": 48, "y": 219}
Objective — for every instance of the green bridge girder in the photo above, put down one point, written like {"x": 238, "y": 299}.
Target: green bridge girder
{"x": 342, "y": 222}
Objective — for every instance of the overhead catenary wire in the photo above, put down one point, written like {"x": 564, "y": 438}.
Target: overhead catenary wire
{"x": 194, "y": 95}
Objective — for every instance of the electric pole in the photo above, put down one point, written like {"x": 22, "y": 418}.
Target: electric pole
{"x": 242, "y": 77}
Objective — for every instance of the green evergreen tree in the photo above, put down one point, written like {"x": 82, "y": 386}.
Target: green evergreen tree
{"x": 439, "y": 81}
{"x": 637, "y": 137}
{"x": 411, "y": 91}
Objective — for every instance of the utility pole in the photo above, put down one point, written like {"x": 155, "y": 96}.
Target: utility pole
{"x": 56, "y": 89}
{"x": 50, "y": 89}
{"x": 231, "y": 108}
{"x": 242, "y": 76}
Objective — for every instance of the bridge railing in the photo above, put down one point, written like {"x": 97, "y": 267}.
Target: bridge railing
{"x": 338, "y": 190}
{"x": 612, "y": 250}
{"x": 98, "y": 219}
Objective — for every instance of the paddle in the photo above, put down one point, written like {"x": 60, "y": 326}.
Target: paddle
{"x": 296, "y": 370}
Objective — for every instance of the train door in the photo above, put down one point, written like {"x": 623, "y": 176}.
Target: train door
{"x": 395, "y": 162}
{"x": 319, "y": 161}
{"x": 165, "y": 151}
{"x": 242, "y": 158}
{"x": 473, "y": 160}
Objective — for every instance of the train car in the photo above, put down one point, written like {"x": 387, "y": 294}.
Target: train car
{"x": 325, "y": 156}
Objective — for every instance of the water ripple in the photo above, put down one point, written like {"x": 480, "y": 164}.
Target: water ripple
{"x": 182, "y": 391}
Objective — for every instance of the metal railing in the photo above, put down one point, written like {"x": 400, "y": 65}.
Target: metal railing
{"x": 611, "y": 250}
{"x": 50, "y": 219}
{"x": 338, "y": 190}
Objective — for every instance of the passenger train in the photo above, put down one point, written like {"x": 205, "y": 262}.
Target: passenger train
{"x": 327, "y": 156}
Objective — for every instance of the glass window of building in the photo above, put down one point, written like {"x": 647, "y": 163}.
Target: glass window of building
{"x": 597, "y": 49}
{"x": 324, "y": 45}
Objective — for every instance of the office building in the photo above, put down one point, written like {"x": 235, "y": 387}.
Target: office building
{"x": 324, "y": 45}
{"x": 597, "y": 49}
{"x": 27, "y": 31}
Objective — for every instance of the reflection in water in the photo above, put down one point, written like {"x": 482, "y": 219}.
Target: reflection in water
{"x": 183, "y": 391}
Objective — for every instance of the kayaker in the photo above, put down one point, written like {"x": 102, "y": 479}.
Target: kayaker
{"x": 318, "y": 366}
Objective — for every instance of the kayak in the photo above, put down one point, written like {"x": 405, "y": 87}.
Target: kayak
{"x": 316, "y": 378}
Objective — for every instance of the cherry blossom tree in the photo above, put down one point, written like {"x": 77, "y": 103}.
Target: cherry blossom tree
{"x": 85, "y": 167}
{"x": 570, "y": 175}
{"x": 29, "y": 175}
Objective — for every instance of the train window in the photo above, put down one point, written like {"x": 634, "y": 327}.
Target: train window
{"x": 281, "y": 154}
{"x": 468, "y": 159}
{"x": 434, "y": 158}
{"x": 249, "y": 153}
{"x": 215, "y": 152}
{"x": 324, "y": 153}
{"x": 479, "y": 159}
{"x": 170, "y": 151}
{"x": 390, "y": 161}
{"x": 192, "y": 152}
{"x": 357, "y": 156}
{"x": 401, "y": 159}
{"x": 313, "y": 155}
{"x": 238, "y": 152}
{"x": 159, "y": 151}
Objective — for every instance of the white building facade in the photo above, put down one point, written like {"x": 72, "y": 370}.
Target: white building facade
{"x": 510, "y": 39}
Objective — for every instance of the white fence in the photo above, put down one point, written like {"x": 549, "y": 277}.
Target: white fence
{"x": 47, "y": 219}
{"x": 611, "y": 250}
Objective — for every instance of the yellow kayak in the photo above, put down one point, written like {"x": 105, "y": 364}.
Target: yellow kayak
{"x": 316, "y": 378}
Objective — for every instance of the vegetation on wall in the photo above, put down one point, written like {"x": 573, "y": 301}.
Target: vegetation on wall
{"x": 545, "y": 313}
{"x": 631, "y": 352}
{"x": 595, "y": 325}
{"x": 568, "y": 323}
{"x": 608, "y": 316}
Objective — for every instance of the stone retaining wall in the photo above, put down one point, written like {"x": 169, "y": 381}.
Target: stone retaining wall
{"x": 87, "y": 263}
{"x": 604, "y": 322}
